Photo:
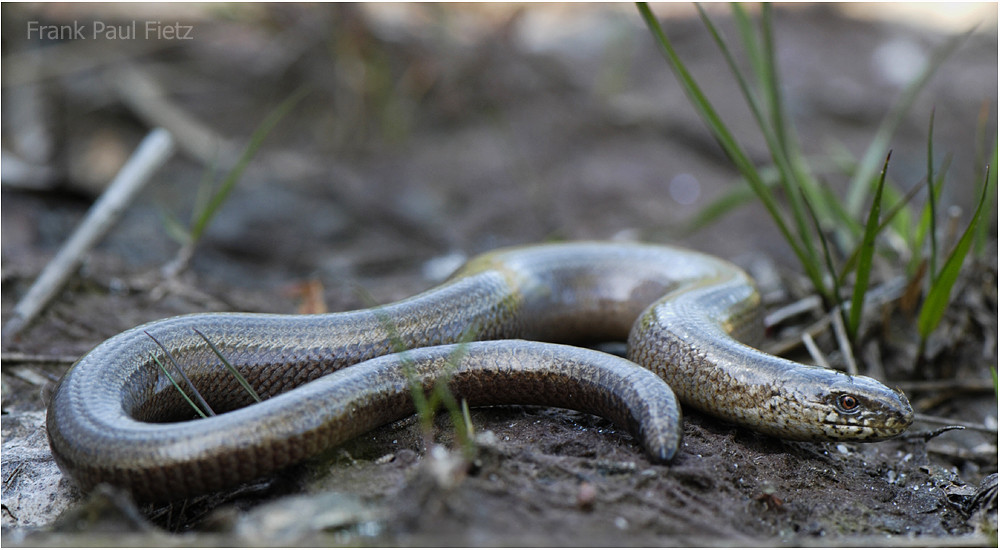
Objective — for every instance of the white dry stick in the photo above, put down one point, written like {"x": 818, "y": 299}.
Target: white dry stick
{"x": 843, "y": 342}
{"x": 940, "y": 420}
{"x": 797, "y": 307}
{"x": 814, "y": 351}
{"x": 154, "y": 150}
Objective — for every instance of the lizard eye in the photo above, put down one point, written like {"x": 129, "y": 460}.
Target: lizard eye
{"x": 848, "y": 404}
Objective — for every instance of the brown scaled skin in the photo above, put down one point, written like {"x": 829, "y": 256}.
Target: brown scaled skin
{"x": 682, "y": 313}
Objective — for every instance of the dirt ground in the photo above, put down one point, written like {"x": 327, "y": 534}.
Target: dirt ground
{"x": 432, "y": 133}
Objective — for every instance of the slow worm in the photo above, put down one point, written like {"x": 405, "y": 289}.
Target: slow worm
{"x": 690, "y": 320}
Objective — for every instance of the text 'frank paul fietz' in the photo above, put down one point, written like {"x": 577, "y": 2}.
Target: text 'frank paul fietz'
{"x": 102, "y": 30}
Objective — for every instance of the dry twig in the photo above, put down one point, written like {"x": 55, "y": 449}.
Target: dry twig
{"x": 955, "y": 424}
{"x": 154, "y": 150}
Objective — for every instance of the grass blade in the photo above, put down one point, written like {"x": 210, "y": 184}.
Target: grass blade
{"x": 865, "y": 257}
{"x": 991, "y": 191}
{"x": 738, "y": 195}
{"x": 772, "y": 84}
{"x": 214, "y": 202}
{"x": 232, "y": 370}
{"x": 827, "y": 256}
{"x": 924, "y": 224}
{"x": 442, "y": 395}
{"x": 791, "y": 180}
{"x": 194, "y": 390}
{"x": 799, "y": 176}
{"x": 837, "y": 214}
{"x": 421, "y": 403}
{"x": 745, "y": 27}
{"x": 899, "y": 207}
{"x": 470, "y": 431}
{"x": 729, "y": 200}
{"x": 728, "y": 142}
{"x": 175, "y": 229}
{"x": 940, "y": 292}
{"x": 426, "y": 405}
{"x": 931, "y": 197}
{"x": 204, "y": 194}
{"x": 177, "y": 386}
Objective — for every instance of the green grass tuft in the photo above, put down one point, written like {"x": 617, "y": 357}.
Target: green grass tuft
{"x": 211, "y": 197}
{"x": 428, "y": 403}
{"x": 818, "y": 225}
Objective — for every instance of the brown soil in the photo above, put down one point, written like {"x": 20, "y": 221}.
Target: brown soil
{"x": 463, "y": 130}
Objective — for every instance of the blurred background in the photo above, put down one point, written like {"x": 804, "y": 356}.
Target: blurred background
{"x": 432, "y": 128}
